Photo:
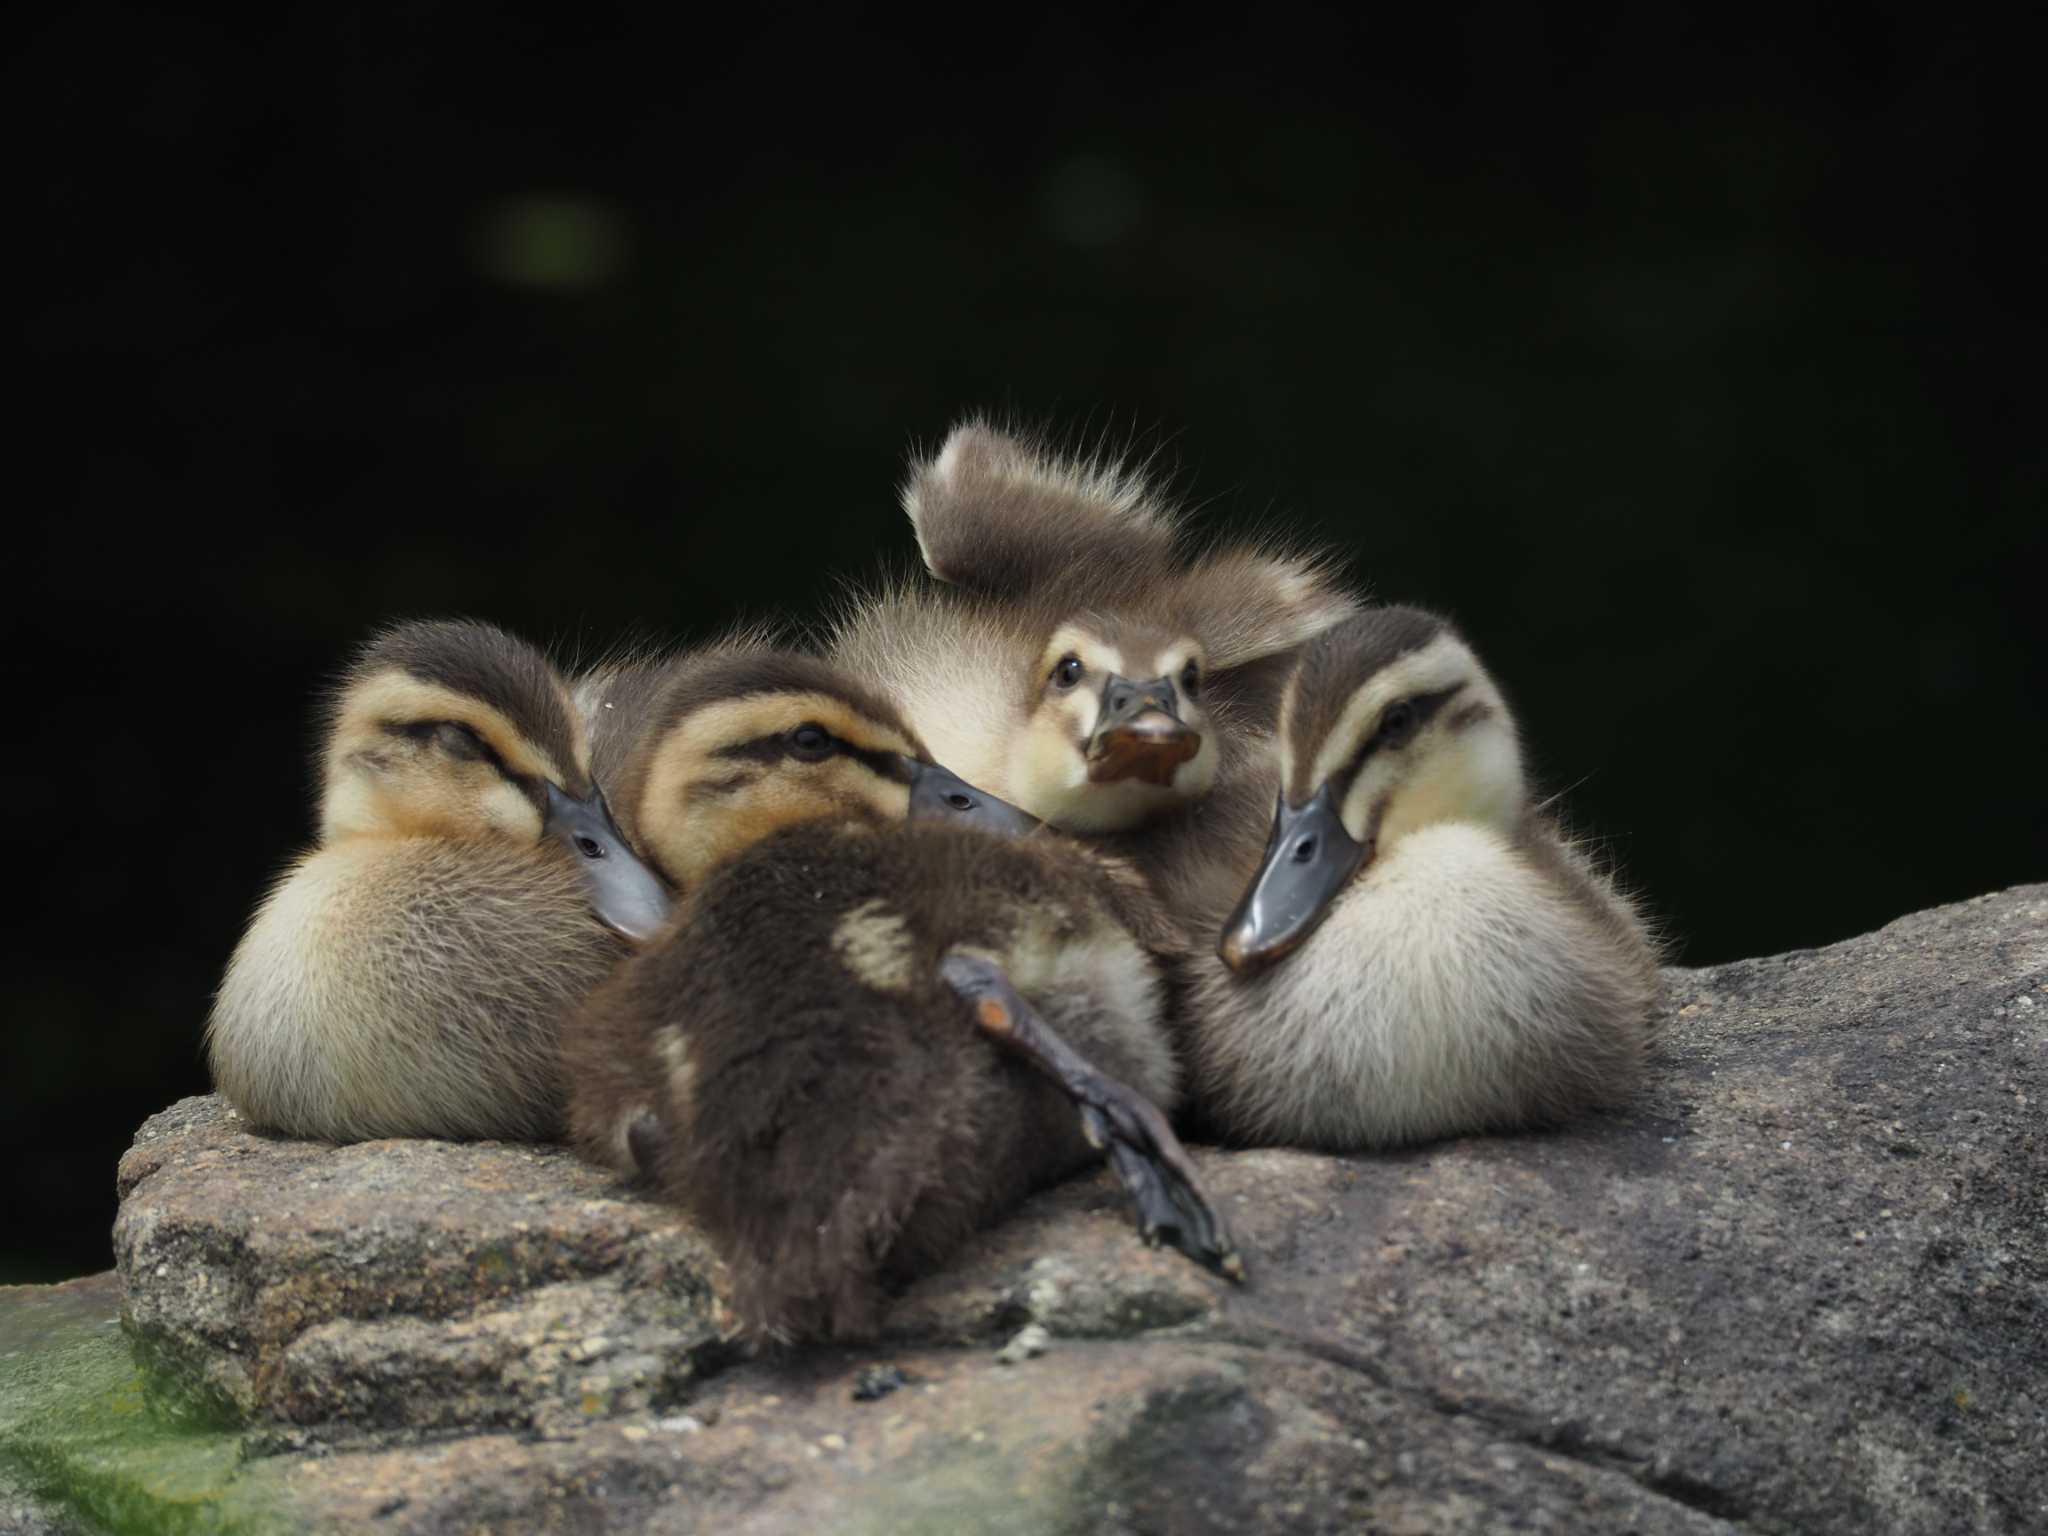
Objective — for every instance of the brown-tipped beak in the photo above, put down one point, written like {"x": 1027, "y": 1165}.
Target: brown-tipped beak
{"x": 1148, "y": 747}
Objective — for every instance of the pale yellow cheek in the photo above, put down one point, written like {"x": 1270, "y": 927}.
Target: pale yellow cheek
{"x": 1046, "y": 766}
{"x": 889, "y": 800}
{"x": 506, "y": 810}
{"x": 348, "y": 809}
{"x": 1474, "y": 779}
{"x": 415, "y": 799}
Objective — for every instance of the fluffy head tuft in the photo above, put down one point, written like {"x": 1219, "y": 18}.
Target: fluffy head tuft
{"x": 1004, "y": 513}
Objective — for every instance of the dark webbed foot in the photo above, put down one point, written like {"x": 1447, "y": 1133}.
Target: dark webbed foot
{"x": 1150, "y": 1160}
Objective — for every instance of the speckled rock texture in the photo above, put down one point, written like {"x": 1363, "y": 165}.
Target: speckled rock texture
{"x": 1800, "y": 1285}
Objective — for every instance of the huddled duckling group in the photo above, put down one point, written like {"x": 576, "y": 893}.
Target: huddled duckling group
{"x": 1084, "y": 832}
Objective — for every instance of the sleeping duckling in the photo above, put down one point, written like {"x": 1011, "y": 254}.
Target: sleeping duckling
{"x": 1420, "y": 952}
{"x": 805, "y": 1060}
{"x": 407, "y": 976}
{"x": 1075, "y": 658}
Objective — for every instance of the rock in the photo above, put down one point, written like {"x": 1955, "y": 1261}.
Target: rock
{"x": 406, "y": 1285}
{"x": 1802, "y": 1284}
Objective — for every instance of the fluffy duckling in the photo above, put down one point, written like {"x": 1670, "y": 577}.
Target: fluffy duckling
{"x": 1420, "y": 952}
{"x": 804, "y": 1060}
{"x": 1074, "y": 657}
{"x": 708, "y": 752}
{"x": 407, "y": 976}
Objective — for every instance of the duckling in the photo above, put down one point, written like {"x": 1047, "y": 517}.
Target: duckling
{"x": 406, "y": 977}
{"x": 1420, "y": 952}
{"x": 709, "y": 750}
{"x": 806, "y": 1060}
{"x": 1074, "y": 657}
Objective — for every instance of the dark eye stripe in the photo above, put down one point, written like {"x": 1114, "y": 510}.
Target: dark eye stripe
{"x": 1422, "y": 708}
{"x": 763, "y": 749}
{"x": 778, "y": 747}
{"x": 423, "y": 731}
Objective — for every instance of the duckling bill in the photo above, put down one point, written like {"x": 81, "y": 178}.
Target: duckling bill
{"x": 626, "y": 896}
{"x": 1308, "y": 859}
{"x": 1139, "y": 733}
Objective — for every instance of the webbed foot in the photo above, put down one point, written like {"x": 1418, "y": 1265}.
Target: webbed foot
{"x": 1148, "y": 1157}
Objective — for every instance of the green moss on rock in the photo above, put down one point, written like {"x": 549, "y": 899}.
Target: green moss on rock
{"x": 78, "y": 1435}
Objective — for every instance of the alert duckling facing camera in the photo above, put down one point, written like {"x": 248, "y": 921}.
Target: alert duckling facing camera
{"x": 408, "y": 975}
{"x": 886, "y": 1011}
{"x": 1073, "y": 655}
{"x": 1420, "y": 953}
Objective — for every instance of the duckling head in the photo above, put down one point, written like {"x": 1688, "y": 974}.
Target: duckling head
{"x": 1114, "y": 728}
{"x": 457, "y": 730}
{"x": 1389, "y": 724}
{"x": 1114, "y": 622}
{"x": 745, "y": 745}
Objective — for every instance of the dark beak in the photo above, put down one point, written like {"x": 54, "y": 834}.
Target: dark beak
{"x": 626, "y": 895}
{"x": 1308, "y": 859}
{"x": 1139, "y": 734}
{"x": 938, "y": 794}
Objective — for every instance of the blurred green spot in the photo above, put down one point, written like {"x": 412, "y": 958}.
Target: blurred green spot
{"x": 564, "y": 244}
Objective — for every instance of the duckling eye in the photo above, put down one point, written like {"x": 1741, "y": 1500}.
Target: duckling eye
{"x": 1397, "y": 724}
{"x": 590, "y": 847}
{"x": 812, "y": 743}
{"x": 1067, "y": 671}
{"x": 459, "y": 741}
{"x": 1191, "y": 679}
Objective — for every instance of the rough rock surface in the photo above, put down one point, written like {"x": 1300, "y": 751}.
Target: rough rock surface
{"x": 1801, "y": 1285}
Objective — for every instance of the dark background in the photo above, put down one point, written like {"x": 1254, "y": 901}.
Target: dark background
{"x": 1692, "y": 365}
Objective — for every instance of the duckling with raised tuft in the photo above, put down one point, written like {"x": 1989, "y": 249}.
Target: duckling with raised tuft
{"x": 1073, "y": 655}
{"x": 870, "y": 1027}
{"x": 1421, "y": 952}
{"x": 407, "y": 976}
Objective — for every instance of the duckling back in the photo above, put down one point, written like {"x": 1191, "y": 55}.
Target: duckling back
{"x": 826, "y": 1109}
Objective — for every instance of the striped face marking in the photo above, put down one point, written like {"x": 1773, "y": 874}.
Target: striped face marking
{"x": 1427, "y": 738}
{"x": 739, "y": 770}
{"x": 411, "y": 758}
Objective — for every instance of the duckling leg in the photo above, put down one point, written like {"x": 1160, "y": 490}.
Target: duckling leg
{"x": 1155, "y": 1168}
